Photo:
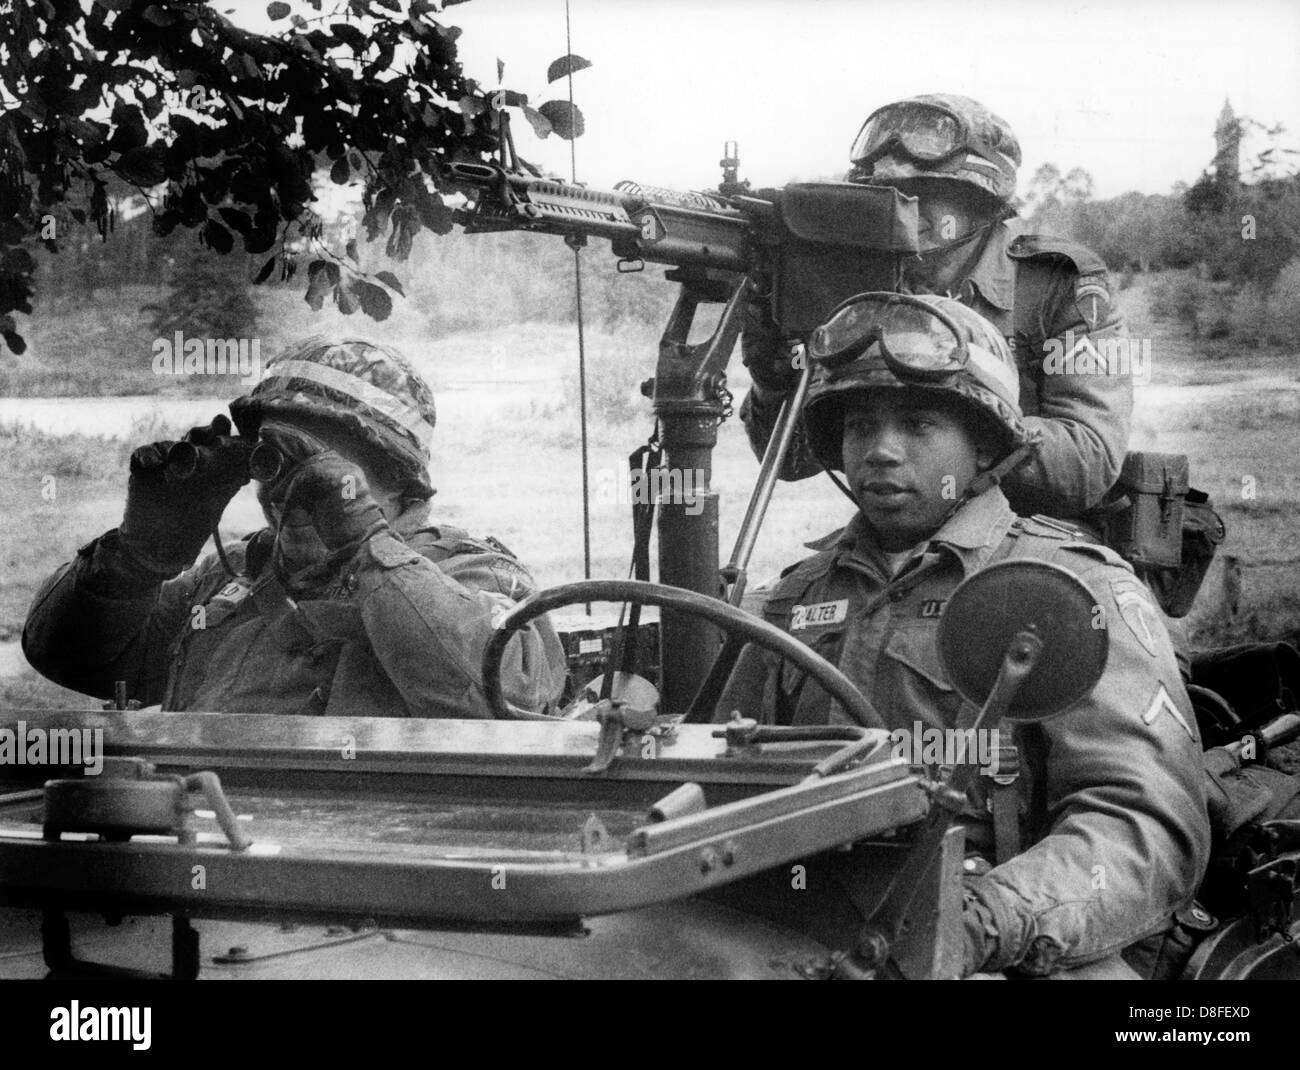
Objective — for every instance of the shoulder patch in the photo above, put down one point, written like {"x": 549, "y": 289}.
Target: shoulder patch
{"x": 1032, "y": 246}
{"x": 1092, "y": 299}
{"x": 1136, "y": 611}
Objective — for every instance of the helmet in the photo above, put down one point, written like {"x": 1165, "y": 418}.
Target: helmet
{"x": 883, "y": 340}
{"x": 939, "y": 135}
{"x": 367, "y": 388}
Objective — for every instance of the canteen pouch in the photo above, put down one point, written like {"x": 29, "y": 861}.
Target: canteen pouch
{"x": 1203, "y": 531}
{"x": 1144, "y": 524}
{"x": 1165, "y": 529}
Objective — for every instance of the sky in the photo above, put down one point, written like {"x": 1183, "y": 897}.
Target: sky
{"x": 1129, "y": 90}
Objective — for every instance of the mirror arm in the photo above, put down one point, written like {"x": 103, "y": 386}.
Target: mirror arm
{"x": 883, "y": 928}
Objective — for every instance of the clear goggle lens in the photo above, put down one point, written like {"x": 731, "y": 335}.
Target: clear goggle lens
{"x": 914, "y": 338}
{"x": 924, "y": 131}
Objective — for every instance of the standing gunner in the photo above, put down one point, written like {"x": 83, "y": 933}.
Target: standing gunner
{"x": 1045, "y": 295}
{"x": 348, "y": 603}
{"x": 1103, "y": 835}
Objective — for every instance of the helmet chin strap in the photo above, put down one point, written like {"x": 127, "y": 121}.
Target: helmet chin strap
{"x": 991, "y": 477}
{"x": 840, "y": 484}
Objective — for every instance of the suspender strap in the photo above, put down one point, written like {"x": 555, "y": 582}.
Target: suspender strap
{"x": 1003, "y": 798}
{"x": 644, "y": 459}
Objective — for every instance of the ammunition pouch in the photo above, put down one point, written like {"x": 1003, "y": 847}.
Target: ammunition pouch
{"x": 1166, "y": 530}
{"x": 834, "y": 240}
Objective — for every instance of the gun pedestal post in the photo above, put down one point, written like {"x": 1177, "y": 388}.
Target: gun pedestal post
{"x": 688, "y": 402}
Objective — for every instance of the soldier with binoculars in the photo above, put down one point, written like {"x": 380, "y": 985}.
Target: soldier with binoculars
{"x": 349, "y": 602}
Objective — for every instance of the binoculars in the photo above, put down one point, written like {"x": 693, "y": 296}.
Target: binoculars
{"x": 257, "y": 460}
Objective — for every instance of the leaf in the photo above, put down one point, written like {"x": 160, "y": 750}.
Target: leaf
{"x": 346, "y": 298}
{"x": 541, "y": 124}
{"x": 260, "y": 240}
{"x": 375, "y": 301}
{"x": 277, "y": 11}
{"x": 341, "y": 171}
{"x": 265, "y": 272}
{"x": 565, "y": 66}
{"x": 352, "y": 250}
{"x": 565, "y": 118}
{"x": 14, "y": 341}
{"x": 144, "y": 166}
{"x": 349, "y": 35}
{"x": 433, "y": 213}
{"x": 236, "y": 220}
{"x": 390, "y": 280}
{"x": 128, "y": 128}
{"x": 153, "y": 13}
{"x": 217, "y": 237}
{"x": 318, "y": 284}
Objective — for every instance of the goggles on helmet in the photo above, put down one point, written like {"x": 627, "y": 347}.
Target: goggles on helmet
{"x": 918, "y": 341}
{"x": 925, "y": 132}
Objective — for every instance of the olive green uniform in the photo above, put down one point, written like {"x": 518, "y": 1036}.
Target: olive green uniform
{"x": 1110, "y": 797}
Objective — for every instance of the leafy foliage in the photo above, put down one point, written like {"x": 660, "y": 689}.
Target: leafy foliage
{"x": 226, "y": 128}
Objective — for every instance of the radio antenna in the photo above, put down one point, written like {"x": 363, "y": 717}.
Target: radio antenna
{"x": 576, "y": 242}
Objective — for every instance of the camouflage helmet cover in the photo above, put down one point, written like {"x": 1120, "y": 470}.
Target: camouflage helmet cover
{"x": 988, "y": 386}
{"x": 987, "y": 155}
{"x": 367, "y": 388}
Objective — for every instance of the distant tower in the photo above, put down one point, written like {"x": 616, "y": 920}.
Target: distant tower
{"x": 1227, "y": 155}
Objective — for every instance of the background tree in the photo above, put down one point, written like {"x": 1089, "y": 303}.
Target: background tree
{"x": 221, "y": 130}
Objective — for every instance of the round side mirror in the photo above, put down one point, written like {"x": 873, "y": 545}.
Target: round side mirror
{"x": 985, "y": 613}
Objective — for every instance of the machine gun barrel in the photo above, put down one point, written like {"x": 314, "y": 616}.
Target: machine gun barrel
{"x": 643, "y": 223}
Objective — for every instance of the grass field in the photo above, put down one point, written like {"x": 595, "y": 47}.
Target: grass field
{"x": 507, "y": 463}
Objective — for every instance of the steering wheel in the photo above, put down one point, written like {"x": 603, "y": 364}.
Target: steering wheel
{"x": 741, "y": 628}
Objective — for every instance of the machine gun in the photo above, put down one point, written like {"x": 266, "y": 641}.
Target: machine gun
{"x": 808, "y": 245}
{"x": 817, "y": 242}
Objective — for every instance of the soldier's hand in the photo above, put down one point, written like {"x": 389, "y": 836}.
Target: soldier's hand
{"x": 168, "y": 519}
{"x": 334, "y": 493}
{"x": 763, "y": 348}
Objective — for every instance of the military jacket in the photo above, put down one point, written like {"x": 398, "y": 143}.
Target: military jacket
{"x": 399, "y": 630}
{"x": 1051, "y": 298}
{"x": 1110, "y": 793}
